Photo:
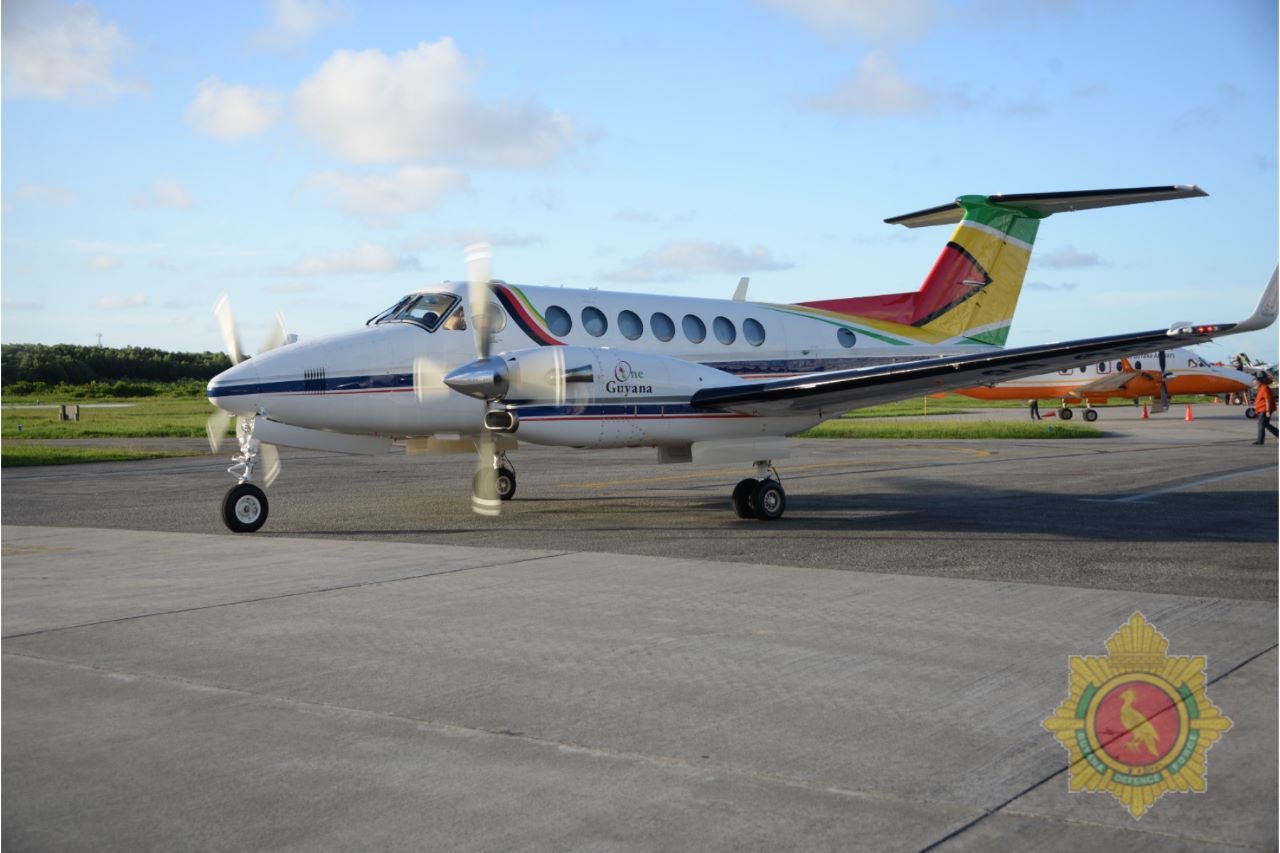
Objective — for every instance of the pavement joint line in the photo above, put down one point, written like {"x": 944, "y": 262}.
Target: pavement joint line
{"x": 321, "y": 590}
{"x": 476, "y": 731}
{"x": 1001, "y": 806}
{"x": 1230, "y": 475}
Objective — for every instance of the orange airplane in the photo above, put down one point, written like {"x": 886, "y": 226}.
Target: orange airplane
{"x": 1158, "y": 375}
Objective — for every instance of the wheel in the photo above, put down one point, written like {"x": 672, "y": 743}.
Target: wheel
{"x": 742, "y": 498}
{"x": 1250, "y": 413}
{"x": 769, "y": 501}
{"x": 244, "y": 509}
{"x": 506, "y": 483}
{"x": 1090, "y": 415}
{"x": 1065, "y": 414}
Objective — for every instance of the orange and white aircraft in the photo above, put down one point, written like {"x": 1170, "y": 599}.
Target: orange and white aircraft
{"x": 1157, "y": 375}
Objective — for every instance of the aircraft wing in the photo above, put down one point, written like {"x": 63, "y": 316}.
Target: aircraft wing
{"x": 834, "y": 392}
{"x": 1113, "y": 382}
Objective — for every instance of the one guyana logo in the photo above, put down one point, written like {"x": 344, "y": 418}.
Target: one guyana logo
{"x": 1137, "y": 723}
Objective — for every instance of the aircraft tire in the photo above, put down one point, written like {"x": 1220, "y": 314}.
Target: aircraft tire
{"x": 1250, "y": 413}
{"x": 769, "y": 500}
{"x": 506, "y": 484}
{"x": 1065, "y": 414}
{"x": 742, "y": 498}
{"x": 244, "y": 508}
{"x": 1090, "y": 415}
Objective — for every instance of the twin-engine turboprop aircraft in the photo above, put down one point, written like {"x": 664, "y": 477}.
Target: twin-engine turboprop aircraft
{"x": 479, "y": 366}
{"x": 1158, "y": 375}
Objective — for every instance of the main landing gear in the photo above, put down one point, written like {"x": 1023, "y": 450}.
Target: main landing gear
{"x": 506, "y": 478}
{"x": 1090, "y": 414}
{"x": 761, "y": 496}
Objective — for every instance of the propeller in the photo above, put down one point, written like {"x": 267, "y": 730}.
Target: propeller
{"x": 215, "y": 427}
{"x": 484, "y": 484}
{"x": 1164, "y": 381}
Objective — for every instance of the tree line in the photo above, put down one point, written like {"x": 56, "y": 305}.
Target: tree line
{"x": 69, "y": 364}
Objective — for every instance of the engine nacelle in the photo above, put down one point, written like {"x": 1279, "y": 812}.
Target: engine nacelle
{"x": 605, "y": 397}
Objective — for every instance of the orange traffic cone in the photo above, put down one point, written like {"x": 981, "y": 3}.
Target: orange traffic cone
{"x": 1188, "y": 416}
{"x": 1145, "y": 416}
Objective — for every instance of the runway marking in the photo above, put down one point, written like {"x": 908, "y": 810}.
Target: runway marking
{"x": 1142, "y": 498}
{"x": 713, "y": 473}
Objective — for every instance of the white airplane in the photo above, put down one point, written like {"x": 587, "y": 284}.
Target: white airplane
{"x": 701, "y": 380}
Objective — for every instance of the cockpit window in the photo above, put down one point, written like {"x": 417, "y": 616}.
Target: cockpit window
{"x": 424, "y": 309}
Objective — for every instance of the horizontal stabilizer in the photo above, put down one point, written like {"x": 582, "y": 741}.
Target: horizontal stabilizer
{"x": 1046, "y": 204}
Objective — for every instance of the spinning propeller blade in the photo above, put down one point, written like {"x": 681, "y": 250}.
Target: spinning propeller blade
{"x": 276, "y": 335}
{"x": 227, "y": 326}
{"x": 216, "y": 428}
{"x": 269, "y": 459}
{"x": 484, "y": 485}
{"x": 1164, "y": 384}
{"x": 478, "y": 257}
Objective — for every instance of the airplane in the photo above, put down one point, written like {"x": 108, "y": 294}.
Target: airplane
{"x": 1178, "y": 371}
{"x": 702, "y": 381}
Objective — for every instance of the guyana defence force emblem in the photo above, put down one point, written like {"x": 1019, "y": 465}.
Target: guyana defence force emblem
{"x": 1137, "y": 723}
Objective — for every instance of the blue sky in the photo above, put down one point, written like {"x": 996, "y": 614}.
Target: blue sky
{"x": 322, "y": 158}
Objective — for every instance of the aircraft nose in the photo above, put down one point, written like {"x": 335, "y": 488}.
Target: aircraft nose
{"x": 237, "y": 389}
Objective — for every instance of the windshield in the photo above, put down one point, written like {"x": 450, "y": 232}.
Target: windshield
{"x": 424, "y": 309}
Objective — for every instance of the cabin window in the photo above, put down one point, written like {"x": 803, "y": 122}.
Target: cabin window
{"x": 1103, "y": 367}
{"x": 725, "y": 331}
{"x": 593, "y": 320}
{"x": 753, "y": 332}
{"x": 558, "y": 321}
{"x": 694, "y": 329}
{"x": 1137, "y": 365}
{"x": 457, "y": 321}
{"x": 846, "y": 337}
{"x": 630, "y": 325}
{"x": 663, "y": 327}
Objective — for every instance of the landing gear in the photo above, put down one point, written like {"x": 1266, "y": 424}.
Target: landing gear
{"x": 1065, "y": 414}
{"x": 506, "y": 479}
{"x": 506, "y": 484}
{"x": 244, "y": 508}
{"x": 1090, "y": 415}
{"x": 760, "y": 497}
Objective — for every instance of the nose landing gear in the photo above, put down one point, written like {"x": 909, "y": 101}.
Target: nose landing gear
{"x": 244, "y": 506}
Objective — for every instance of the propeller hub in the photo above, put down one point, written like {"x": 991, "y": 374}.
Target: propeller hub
{"x": 484, "y": 379}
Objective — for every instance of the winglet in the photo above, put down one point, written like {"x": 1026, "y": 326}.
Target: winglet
{"x": 740, "y": 295}
{"x": 1264, "y": 315}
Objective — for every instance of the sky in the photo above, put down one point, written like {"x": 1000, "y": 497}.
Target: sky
{"x": 320, "y": 158}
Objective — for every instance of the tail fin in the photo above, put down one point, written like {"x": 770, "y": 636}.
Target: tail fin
{"x": 970, "y": 294}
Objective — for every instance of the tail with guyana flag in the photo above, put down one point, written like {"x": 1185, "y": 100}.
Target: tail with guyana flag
{"x": 970, "y": 294}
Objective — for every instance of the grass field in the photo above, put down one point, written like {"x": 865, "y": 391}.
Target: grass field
{"x": 146, "y": 417}
{"x": 19, "y": 453}
{"x": 965, "y": 430}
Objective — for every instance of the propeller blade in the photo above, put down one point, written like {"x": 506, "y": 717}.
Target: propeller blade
{"x": 216, "y": 428}
{"x": 269, "y": 459}
{"x": 484, "y": 485}
{"x": 227, "y": 326}
{"x": 276, "y": 335}
{"x": 478, "y": 257}
{"x": 1164, "y": 385}
{"x": 428, "y": 378}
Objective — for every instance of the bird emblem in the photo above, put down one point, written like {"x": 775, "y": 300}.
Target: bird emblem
{"x": 1141, "y": 732}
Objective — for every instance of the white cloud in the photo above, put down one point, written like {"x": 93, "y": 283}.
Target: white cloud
{"x": 877, "y": 20}
{"x": 876, "y": 88}
{"x": 1068, "y": 258}
{"x": 103, "y": 262}
{"x": 296, "y": 21}
{"x": 45, "y": 194}
{"x": 1049, "y": 286}
{"x": 462, "y": 237}
{"x": 369, "y": 107}
{"x": 367, "y": 258}
{"x": 380, "y": 200}
{"x": 113, "y": 301}
{"x": 231, "y": 112}
{"x": 679, "y": 259}
{"x": 168, "y": 193}
{"x": 61, "y": 52}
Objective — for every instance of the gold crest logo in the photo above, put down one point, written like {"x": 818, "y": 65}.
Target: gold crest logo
{"x": 1137, "y": 723}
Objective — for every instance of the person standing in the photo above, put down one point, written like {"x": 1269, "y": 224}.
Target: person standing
{"x": 1035, "y": 410}
{"x": 1265, "y": 405}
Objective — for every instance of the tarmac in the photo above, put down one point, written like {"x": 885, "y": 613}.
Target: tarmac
{"x": 401, "y": 686}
